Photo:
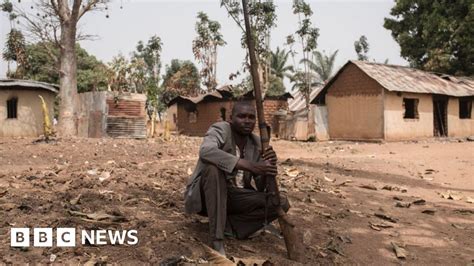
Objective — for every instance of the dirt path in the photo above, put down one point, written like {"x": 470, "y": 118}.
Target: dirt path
{"x": 336, "y": 190}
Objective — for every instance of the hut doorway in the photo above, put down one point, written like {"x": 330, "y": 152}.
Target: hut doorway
{"x": 440, "y": 116}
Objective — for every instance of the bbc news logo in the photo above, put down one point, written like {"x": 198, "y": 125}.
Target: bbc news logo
{"x": 66, "y": 237}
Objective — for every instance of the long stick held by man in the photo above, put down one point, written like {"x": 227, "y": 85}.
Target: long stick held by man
{"x": 292, "y": 237}
{"x": 234, "y": 182}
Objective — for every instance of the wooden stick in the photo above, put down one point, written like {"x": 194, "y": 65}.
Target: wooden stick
{"x": 293, "y": 240}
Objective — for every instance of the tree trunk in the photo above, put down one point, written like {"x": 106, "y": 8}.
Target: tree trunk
{"x": 68, "y": 80}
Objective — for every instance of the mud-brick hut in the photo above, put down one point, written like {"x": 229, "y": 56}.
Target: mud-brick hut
{"x": 21, "y": 112}
{"x": 371, "y": 101}
{"x": 194, "y": 115}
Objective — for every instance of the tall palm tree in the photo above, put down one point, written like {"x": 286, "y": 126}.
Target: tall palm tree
{"x": 323, "y": 64}
{"x": 278, "y": 64}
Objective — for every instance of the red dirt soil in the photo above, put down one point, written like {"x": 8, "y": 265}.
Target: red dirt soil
{"x": 339, "y": 192}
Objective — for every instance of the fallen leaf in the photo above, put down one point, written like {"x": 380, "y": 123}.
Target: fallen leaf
{"x": 464, "y": 211}
{"x": 354, "y": 211}
{"x": 400, "y": 252}
{"x": 247, "y": 248}
{"x": 250, "y": 261}
{"x": 375, "y": 227}
{"x": 451, "y": 195}
{"x": 371, "y": 187}
{"x": 345, "y": 183}
{"x": 75, "y": 200}
{"x": 335, "y": 247}
{"x": 98, "y": 216}
{"x": 381, "y": 225}
{"x": 402, "y": 204}
{"x": 390, "y": 188}
{"x": 419, "y": 202}
{"x": 325, "y": 214}
{"x": 329, "y": 179}
{"x": 215, "y": 257}
{"x": 458, "y": 226}
{"x": 104, "y": 175}
{"x": 385, "y": 217}
{"x": 430, "y": 212}
{"x": 292, "y": 172}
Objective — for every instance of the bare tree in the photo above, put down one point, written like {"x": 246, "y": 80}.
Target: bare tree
{"x": 55, "y": 21}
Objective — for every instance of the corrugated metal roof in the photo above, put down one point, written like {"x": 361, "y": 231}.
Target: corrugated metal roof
{"x": 224, "y": 91}
{"x": 29, "y": 84}
{"x": 406, "y": 79}
{"x": 298, "y": 102}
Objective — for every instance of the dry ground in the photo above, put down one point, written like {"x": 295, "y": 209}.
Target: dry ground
{"x": 339, "y": 191}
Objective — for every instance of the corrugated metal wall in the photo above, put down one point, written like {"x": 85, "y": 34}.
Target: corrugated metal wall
{"x": 126, "y": 116}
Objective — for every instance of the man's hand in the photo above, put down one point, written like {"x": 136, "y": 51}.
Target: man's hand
{"x": 265, "y": 168}
{"x": 262, "y": 168}
{"x": 270, "y": 155}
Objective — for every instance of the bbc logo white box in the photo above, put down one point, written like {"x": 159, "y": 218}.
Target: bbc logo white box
{"x": 20, "y": 237}
{"x": 43, "y": 237}
{"x": 66, "y": 237}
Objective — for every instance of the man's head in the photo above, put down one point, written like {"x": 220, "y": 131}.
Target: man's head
{"x": 243, "y": 117}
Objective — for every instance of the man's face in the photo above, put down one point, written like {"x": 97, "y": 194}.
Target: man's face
{"x": 243, "y": 119}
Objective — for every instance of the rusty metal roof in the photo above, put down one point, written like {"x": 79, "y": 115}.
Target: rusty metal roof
{"x": 406, "y": 79}
{"x": 224, "y": 92}
{"x": 22, "y": 83}
{"x": 298, "y": 102}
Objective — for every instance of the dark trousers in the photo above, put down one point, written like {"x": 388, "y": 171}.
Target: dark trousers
{"x": 243, "y": 209}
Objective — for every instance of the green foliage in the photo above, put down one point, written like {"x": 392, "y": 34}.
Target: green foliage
{"x": 322, "y": 65}
{"x": 301, "y": 79}
{"x": 308, "y": 36}
{"x": 151, "y": 56}
{"x": 307, "y": 33}
{"x": 276, "y": 86}
{"x": 118, "y": 78}
{"x": 7, "y": 6}
{"x": 15, "y": 50}
{"x": 91, "y": 73}
{"x": 278, "y": 64}
{"x": 262, "y": 20}
{"x": 435, "y": 35}
{"x": 180, "y": 78}
{"x": 361, "y": 47}
{"x": 205, "y": 48}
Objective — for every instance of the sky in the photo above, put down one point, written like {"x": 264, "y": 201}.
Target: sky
{"x": 340, "y": 23}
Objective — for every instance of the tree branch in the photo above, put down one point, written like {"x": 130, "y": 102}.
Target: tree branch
{"x": 76, "y": 6}
{"x": 63, "y": 8}
{"x": 87, "y": 8}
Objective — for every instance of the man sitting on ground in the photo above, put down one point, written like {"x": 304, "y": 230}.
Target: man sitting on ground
{"x": 227, "y": 184}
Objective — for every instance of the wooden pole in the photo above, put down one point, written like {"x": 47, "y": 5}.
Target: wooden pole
{"x": 293, "y": 239}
